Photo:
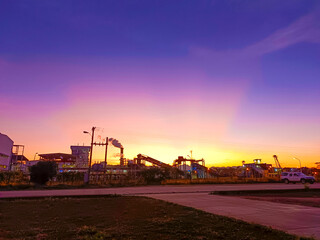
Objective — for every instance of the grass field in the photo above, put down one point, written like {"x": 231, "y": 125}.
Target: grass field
{"x": 118, "y": 217}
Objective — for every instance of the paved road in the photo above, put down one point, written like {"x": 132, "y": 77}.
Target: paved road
{"x": 300, "y": 220}
{"x": 294, "y": 219}
{"x": 150, "y": 190}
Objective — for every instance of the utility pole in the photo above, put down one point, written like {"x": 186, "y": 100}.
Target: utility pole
{"x": 114, "y": 143}
{"x": 91, "y": 150}
{"x": 105, "y": 156}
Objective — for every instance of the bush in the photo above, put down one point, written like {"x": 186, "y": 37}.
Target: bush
{"x": 154, "y": 175}
{"x": 13, "y": 178}
{"x": 42, "y": 172}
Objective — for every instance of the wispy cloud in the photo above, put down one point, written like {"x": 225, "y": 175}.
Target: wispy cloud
{"x": 305, "y": 29}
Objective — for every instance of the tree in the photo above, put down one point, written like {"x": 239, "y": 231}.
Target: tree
{"x": 42, "y": 172}
{"x": 155, "y": 175}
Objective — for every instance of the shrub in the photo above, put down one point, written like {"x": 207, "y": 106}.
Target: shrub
{"x": 91, "y": 233}
{"x": 13, "y": 178}
{"x": 42, "y": 172}
{"x": 154, "y": 175}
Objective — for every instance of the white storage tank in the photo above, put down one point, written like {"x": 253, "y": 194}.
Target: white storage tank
{"x": 6, "y": 145}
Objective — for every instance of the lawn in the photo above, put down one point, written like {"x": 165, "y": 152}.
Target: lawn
{"x": 120, "y": 217}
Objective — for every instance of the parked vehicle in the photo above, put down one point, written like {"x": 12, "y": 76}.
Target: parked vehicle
{"x": 295, "y": 177}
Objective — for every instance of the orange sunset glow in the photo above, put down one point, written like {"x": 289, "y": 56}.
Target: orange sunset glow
{"x": 227, "y": 99}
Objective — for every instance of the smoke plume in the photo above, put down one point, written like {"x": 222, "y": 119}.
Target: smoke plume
{"x": 115, "y": 143}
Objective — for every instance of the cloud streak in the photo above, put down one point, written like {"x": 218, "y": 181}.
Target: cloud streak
{"x": 305, "y": 29}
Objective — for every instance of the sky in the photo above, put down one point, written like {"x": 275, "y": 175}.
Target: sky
{"x": 230, "y": 80}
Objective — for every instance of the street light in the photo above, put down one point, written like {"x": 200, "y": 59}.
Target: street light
{"x": 35, "y": 156}
{"x": 299, "y": 161}
{"x": 92, "y": 138}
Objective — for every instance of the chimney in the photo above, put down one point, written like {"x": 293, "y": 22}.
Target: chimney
{"x": 121, "y": 157}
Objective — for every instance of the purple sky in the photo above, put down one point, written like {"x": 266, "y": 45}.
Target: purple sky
{"x": 230, "y": 80}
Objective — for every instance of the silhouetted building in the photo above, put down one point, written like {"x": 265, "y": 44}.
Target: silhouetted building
{"x": 65, "y": 161}
{"x": 82, "y": 155}
{"x": 6, "y": 145}
{"x": 18, "y": 160}
{"x": 196, "y": 169}
{"x": 78, "y": 161}
{"x": 257, "y": 169}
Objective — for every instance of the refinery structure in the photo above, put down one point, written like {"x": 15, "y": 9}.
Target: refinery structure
{"x": 80, "y": 160}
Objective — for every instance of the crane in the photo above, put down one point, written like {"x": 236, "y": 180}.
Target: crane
{"x": 277, "y": 161}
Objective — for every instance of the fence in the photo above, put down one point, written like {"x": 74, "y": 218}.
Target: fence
{"x": 72, "y": 179}
{"x": 67, "y": 178}
{"x": 77, "y": 178}
{"x": 13, "y": 178}
{"x": 115, "y": 179}
{"x": 221, "y": 180}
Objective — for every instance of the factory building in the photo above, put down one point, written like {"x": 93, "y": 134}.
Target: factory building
{"x": 77, "y": 161}
{"x": 196, "y": 168}
{"x": 6, "y": 145}
{"x": 257, "y": 169}
{"x": 82, "y": 155}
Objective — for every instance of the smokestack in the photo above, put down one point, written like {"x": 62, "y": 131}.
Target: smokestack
{"x": 117, "y": 144}
{"x": 121, "y": 156}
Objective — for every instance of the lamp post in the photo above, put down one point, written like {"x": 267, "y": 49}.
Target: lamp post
{"x": 35, "y": 156}
{"x": 299, "y": 162}
{"x": 90, "y": 160}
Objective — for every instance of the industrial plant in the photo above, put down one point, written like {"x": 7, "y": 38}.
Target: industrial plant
{"x": 79, "y": 160}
